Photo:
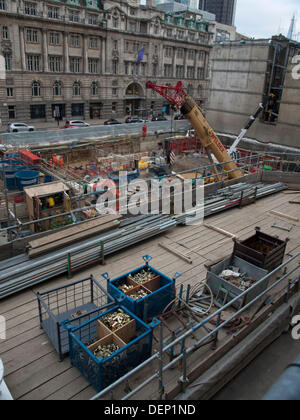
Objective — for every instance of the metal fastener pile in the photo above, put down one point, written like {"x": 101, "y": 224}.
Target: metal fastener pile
{"x": 116, "y": 320}
{"x": 106, "y": 350}
{"x": 143, "y": 276}
{"x": 140, "y": 294}
{"x": 240, "y": 280}
{"x": 125, "y": 288}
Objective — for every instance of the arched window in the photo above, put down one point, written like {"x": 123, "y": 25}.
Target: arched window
{"x": 36, "y": 89}
{"x": 57, "y": 89}
{"x": 76, "y": 89}
{"x": 199, "y": 91}
{"x": 95, "y": 89}
{"x": 133, "y": 90}
{"x": 190, "y": 90}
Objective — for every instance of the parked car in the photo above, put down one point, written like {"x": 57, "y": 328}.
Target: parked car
{"x": 19, "y": 128}
{"x": 76, "y": 124}
{"x": 159, "y": 118}
{"x": 179, "y": 117}
{"x": 134, "y": 120}
{"x": 112, "y": 122}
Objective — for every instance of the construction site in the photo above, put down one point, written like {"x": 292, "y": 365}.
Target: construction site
{"x": 145, "y": 306}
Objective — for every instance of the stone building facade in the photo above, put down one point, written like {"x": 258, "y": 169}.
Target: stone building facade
{"x": 78, "y": 59}
{"x": 248, "y": 72}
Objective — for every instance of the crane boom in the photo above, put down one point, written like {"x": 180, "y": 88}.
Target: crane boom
{"x": 179, "y": 99}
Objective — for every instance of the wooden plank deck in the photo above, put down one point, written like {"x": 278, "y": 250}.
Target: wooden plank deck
{"x": 32, "y": 370}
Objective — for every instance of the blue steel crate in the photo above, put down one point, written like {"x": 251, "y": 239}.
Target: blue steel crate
{"x": 103, "y": 372}
{"x": 77, "y": 303}
{"x": 150, "y": 306}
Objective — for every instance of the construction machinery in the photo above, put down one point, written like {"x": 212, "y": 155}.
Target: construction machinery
{"x": 179, "y": 100}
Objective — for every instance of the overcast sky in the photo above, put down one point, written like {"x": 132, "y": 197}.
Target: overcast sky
{"x": 262, "y": 19}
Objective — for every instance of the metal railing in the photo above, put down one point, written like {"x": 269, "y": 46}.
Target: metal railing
{"x": 187, "y": 352}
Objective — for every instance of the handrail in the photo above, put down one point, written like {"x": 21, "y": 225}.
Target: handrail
{"x": 184, "y": 355}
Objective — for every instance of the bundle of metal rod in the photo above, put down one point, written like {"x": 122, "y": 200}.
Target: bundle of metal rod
{"x": 27, "y": 273}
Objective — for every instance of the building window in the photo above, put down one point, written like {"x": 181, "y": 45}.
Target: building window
{"x": 30, "y": 8}
{"x": 126, "y": 67}
{"x": 57, "y": 89}
{"x": 73, "y": 16}
{"x": 169, "y": 33}
{"x": 10, "y": 92}
{"x": 77, "y": 110}
{"x": 180, "y": 71}
{"x": 168, "y": 70}
{"x": 33, "y": 63}
{"x": 2, "y": 4}
{"x": 190, "y": 90}
{"x": 190, "y": 73}
{"x": 93, "y": 19}
{"x": 180, "y": 52}
{"x": 76, "y": 89}
{"x": 114, "y": 91}
{"x": 95, "y": 89}
{"x": 7, "y": 57}
{"x": 75, "y": 41}
{"x": 191, "y": 55}
{"x": 53, "y": 12}
{"x": 200, "y": 73}
{"x": 75, "y": 65}
{"x": 54, "y": 38}
{"x": 93, "y": 43}
{"x": 199, "y": 91}
{"x": 154, "y": 69}
{"x": 36, "y": 89}
{"x": 32, "y": 36}
{"x": 168, "y": 51}
{"x": 11, "y": 112}
{"x": 55, "y": 64}
{"x": 93, "y": 65}
{"x": 115, "y": 67}
{"x": 37, "y": 111}
{"x": 5, "y": 33}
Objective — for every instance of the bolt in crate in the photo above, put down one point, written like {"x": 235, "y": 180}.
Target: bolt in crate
{"x": 225, "y": 291}
{"x": 159, "y": 290}
{"x": 77, "y": 302}
{"x": 133, "y": 341}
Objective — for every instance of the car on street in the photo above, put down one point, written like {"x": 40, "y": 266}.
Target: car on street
{"x": 19, "y": 128}
{"x": 112, "y": 121}
{"x": 134, "y": 120}
{"x": 76, "y": 124}
{"x": 159, "y": 118}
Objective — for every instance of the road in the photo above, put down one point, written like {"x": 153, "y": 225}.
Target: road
{"x": 75, "y": 135}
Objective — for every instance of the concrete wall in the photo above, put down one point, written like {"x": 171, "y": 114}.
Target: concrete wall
{"x": 237, "y": 88}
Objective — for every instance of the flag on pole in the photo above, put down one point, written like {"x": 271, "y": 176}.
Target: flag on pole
{"x": 141, "y": 55}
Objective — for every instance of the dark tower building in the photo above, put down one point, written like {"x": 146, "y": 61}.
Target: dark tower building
{"x": 223, "y": 9}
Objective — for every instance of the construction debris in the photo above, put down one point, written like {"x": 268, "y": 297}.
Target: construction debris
{"x": 240, "y": 280}
{"x": 286, "y": 216}
{"x": 179, "y": 254}
{"x": 222, "y": 231}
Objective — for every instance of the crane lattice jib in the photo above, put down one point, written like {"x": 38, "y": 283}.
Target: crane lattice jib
{"x": 174, "y": 94}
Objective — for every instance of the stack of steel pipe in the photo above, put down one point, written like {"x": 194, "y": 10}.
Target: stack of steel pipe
{"x": 27, "y": 273}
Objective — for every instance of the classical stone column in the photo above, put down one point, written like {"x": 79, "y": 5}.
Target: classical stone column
{"x": 22, "y": 49}
{"x": 66, "y": 52}
{"x": 45, "y": 50}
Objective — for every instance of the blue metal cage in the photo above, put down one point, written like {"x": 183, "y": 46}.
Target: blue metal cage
{"x": 161, "y": 292}
{"x": 103, "y": 372}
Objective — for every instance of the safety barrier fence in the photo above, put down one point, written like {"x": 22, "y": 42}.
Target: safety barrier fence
{"x": 291, "y": 275}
